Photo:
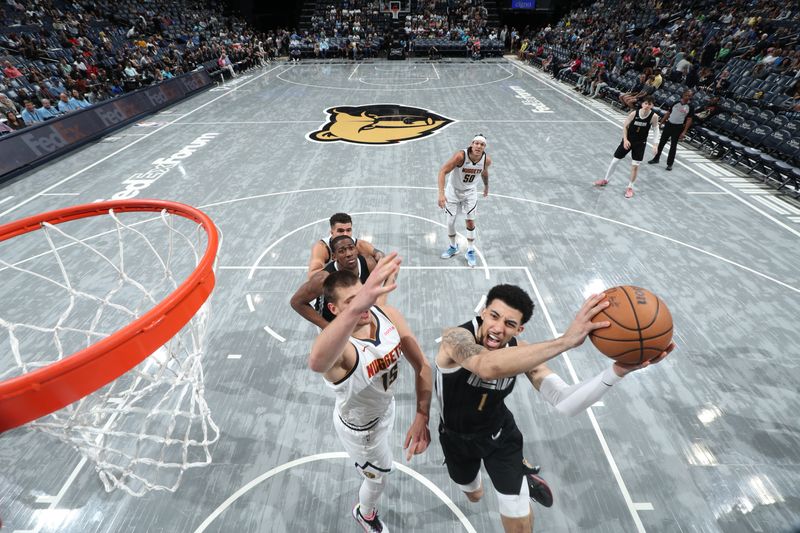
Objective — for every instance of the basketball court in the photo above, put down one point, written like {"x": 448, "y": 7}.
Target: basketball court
{"x": 707, "y": 441}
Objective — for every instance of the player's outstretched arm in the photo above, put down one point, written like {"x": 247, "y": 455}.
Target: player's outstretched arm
{"x": 418, "y": 436}
{"x": 317, "y": 261}
{"x": 458, "y": 346}
{"x": 330, "y": 344}
{"x": 309, "y": 291}
{"x": 573, "y": 399}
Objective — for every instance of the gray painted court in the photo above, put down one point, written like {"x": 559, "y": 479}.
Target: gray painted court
{"x": 707, "y": 441}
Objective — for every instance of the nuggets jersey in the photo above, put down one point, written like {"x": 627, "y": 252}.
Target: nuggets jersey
{"x": 466, "y": 177}
{"x": 468, "y": 403}
{"x": 639, "y": 129}
{"x": 365, "y": 394}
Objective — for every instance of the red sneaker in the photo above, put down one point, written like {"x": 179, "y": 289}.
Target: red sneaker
{"x": 629, "y": 192}
{"x": 601, "y": 183}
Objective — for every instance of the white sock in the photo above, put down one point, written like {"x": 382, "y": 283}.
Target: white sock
{"x": 452, "y": 240}
{"x": 368, "y": 495}
{"x": 611, "y": 168}
{"x": 630, "y": 185}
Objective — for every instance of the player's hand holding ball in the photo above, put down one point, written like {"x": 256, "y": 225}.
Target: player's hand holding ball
{"x": 640, "y": 331}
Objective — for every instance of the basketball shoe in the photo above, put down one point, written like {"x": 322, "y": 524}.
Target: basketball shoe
{"x": 601, "y": 183}
{"x": 470, "y": 255}
{"x": 450, "y": 252}
{"x": 629, "y": 192}
{"x": 537, "y": 487}
{"x": 375, "y": 525}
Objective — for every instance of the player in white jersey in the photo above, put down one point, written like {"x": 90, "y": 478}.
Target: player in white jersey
{"x": 358, "y": 355}
{"x": 460, "y": 193}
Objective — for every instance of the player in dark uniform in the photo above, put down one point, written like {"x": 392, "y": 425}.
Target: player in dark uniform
{"x": 321, "y": 252}
{"x": 476, "y": 369}
{"x": 345, "y": 257}
{"x": 634, "y": 139}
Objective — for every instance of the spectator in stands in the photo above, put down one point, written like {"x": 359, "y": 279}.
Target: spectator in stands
{"x": 13, "y": 122}
{"x": 433, "y": 53}
{"x": 30, "y": 115}
{"x": 600, "y": 81}
{"x": 79, "y": 100}
{"x": 10, "y": 71}
{"x": 47, "y": 111}
{"x": 710, "y": 109}
{"x": 722, "y": 85}
{"x": 631, "y": 99}
{"x": 224, "y": 63}
{"x": 573, "y": 66}
{"x": 65, "y": 105}
{"x": 7, "y": 105}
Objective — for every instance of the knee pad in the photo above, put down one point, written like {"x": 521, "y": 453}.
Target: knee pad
{"x": 515, "y": 505}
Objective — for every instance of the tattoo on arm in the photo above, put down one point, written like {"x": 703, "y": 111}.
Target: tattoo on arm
{"x": 462, "y": 344}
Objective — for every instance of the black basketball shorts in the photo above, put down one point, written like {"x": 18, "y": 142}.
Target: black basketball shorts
{"x": 500, "y": 452}
{"x": 636, "y": 149}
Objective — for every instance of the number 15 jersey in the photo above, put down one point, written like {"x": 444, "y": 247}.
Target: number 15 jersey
{"x": 466, "y": 177}
{"x": 363, "y": 396}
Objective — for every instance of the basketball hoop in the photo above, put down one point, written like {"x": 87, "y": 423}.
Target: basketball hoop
{"x": 143, "y": 420}
{"x": 394, "y": 8}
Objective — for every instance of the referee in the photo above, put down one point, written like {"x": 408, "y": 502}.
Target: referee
{"x": 676, "y": 123}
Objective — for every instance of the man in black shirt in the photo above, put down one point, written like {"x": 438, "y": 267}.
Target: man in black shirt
{"x": 476, "y": 369}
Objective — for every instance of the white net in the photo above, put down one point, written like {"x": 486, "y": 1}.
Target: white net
{"x": 66, "y": 287}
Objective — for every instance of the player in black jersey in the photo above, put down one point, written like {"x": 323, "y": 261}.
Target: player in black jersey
{"x": 321, "y": 252}
{"x": 476, "y": 369}
{"x": 634, "y": 139}
{"x": 345, "y": 257}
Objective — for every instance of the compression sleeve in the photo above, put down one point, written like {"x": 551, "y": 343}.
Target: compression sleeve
{"x": 573, "y": 399}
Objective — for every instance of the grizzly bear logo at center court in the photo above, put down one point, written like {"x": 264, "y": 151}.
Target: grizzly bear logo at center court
{"x": 378, "y": 124}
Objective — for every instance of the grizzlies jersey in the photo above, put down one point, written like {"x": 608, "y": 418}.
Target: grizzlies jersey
{"x": 333, "y": 266}
{"x": 639, "y": 129}
{"x": 327, "y": 242}
{"x": 466, "y": 177}
{"x": 468, "y": 403}
{"x": 365, "y": 394}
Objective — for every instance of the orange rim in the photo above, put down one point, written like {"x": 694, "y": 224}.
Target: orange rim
{"x": 47, "y": 389}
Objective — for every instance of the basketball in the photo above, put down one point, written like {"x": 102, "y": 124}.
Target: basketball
{"x": 641, "y": 325}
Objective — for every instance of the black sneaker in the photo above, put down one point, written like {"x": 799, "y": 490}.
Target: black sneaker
{"x": 653, "y": 161}
{"x": 669, "y": 167}
{"x": 537, "y": 487}
{"x": 375, "y": 525}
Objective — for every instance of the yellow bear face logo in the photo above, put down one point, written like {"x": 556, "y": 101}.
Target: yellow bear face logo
{"x": 378, "y": 124}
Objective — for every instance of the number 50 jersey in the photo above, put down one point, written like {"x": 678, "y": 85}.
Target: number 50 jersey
{"x": 364, "y": 394}
{"x": 466, "y": 177}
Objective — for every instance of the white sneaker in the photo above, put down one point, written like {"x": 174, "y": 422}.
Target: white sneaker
{"x": 375, "y": 525}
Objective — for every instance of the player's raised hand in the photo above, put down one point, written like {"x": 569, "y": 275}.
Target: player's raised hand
{"x": 418, "y": 437}
{"x": 377, "y": 284}
{"x": 623, "y": 369}
{"x": 582, "y": 325}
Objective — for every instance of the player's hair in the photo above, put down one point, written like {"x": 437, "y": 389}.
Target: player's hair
{"x": 648, "y": 98}
{"x": 339, "y": 238}
{"x": 338, "y": 279}
{"x": 512, "y": 296}
{"x": 340, "y": 218}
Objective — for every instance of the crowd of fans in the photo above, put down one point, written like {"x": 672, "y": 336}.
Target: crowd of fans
{"x": 58, "y": 57}
{"x": 685, "y": 42}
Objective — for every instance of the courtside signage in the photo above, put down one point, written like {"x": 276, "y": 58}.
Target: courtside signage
{"x": 142, "y": 180}
{"x": 533, "y": 103}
